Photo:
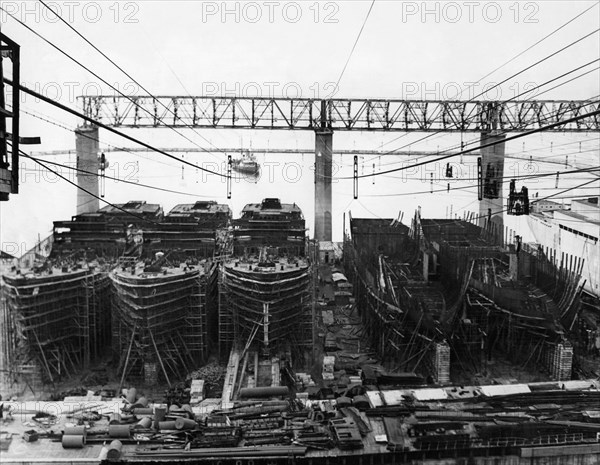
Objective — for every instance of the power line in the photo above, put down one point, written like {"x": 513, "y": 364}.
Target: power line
{"x": 514, "y": 75}
{"x": 491, "y": 144}
{"x": 104, "y": 126}
{"x": 530, "y": 90}
{"x": 95, "y": 139}
{"x": 92, "y": 194}
{"x": 537, "y": 43}
{"x": 103, "y": 80}
{"x": 455, "y": 188}
{"x": 123, "y": 71}
{"x": 504, "y": 210}
{"x": 507, "y": 131}
{"x": 462, "y": 145}
{"x": 79, "y": 170}
{"x": 354, "y": 46}
{"x": 532, "y": 176}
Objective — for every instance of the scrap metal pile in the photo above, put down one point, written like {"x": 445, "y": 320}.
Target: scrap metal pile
{"x": 401, "y": 424}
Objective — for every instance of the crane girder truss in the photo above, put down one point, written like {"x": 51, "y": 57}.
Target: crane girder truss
{"x": 340, "y": 114}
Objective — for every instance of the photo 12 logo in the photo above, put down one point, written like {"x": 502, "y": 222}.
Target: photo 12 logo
{"x": 71, "y": 12}
{"x": 69, "y": 91}
{"x": 270, "y": 12}
{"x": 115, "y": 172}
{"x": 469, "y": 12}
{"x": 269, "y": 89}
{"x": 467, "y": 91}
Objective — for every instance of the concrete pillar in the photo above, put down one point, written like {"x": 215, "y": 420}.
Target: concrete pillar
{"x": 323, "y": 165}
{"x": 87, "y": 148}
{"x": 492, "y": 164}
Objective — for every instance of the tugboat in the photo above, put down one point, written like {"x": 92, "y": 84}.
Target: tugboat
{"x": 247, "y": 164}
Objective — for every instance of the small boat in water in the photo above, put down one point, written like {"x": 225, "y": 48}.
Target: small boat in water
{"x": 246, "y": 164}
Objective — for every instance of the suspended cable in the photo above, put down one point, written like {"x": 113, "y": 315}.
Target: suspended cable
{"x": 93, "y": 195}
{"x": 490, "y": 144}
{"x": 514, "y": 75}
{"x": 354, "y": 46}
{"x": 90, "y": 173}
{"x": 133, "y": 101}
{"x": 104, "y": 126}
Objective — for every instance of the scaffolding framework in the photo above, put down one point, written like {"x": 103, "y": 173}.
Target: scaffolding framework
{"x": 55, "y": 322}
{"x": 160, "y": 322}
{"x": 275, "y": 304}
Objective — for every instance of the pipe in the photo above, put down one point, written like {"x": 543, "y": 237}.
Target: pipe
{"x": 185, "y": 423}
{"x": 72, "y": 441}
{"x": 166, "y": 425}
{"x": 75, "y": 431}
{"x": 119, "y": 431}
{"x": 145, "y": 423}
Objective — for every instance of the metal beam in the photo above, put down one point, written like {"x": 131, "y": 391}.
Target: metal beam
{"x": 339, "y": 114}
{"x": 286, "y": 151}
{"x": 283, "y": 151}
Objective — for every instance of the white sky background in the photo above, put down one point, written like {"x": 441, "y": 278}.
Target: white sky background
{"x": 413, "y": 50}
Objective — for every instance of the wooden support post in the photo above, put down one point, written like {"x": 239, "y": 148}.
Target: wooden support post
{"x": 43, "y": 356}
{"x": 159, "y": 357}
{"x": 126, "y": 360}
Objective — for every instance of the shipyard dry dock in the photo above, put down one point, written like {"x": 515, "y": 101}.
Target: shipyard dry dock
{"x": 387, "y": 348}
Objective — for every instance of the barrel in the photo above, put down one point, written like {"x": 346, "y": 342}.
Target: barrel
{"x": 145, "y": 423}
{"x": 166, "y": 425}
{"x": 114, "y": 450}
{"x": 131, "y": 395}
{"x": 114, "y": 419}
{"x": 119, "y": 431}
{"x": 185, "y": 423}
{"x": 73, "y": 441}
{"x": 75, "y": 431}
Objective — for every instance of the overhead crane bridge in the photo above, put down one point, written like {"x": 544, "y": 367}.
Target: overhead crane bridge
{"x": 492, "y": 119}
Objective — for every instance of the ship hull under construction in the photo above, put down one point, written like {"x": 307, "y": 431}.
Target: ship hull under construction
{"x": 57, "y": 320}
{"x": 273, "y": 297}
{"x": 453, "y": 290}
{"x": 159, "y": 320}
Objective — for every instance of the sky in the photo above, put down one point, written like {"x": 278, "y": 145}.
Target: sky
{"x": 406, "y": 50}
